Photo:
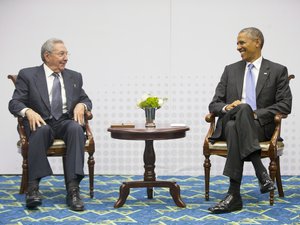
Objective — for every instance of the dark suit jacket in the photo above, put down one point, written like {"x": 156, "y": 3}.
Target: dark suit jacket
{"x": 32, "y": 92}
{"x": 273, "y": 93}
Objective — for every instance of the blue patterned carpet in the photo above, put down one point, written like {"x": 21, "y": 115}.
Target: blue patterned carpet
{"x": 140, "y": 210}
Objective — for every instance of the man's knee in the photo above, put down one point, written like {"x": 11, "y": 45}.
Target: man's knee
{"x": 41, "y": 137}
{"x": 43, "y": 130}
{"x": 75, "y": 128}
{"x": 245, "y": 108}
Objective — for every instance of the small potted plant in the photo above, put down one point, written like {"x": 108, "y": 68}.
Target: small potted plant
{"x": 150, "y": 103}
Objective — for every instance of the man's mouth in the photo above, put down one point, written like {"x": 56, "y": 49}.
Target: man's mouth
{"x": 242, "y": 52}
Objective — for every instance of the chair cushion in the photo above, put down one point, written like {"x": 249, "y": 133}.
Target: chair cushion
{"x": 57, "y": 143}
{"x": 221, "y": 145}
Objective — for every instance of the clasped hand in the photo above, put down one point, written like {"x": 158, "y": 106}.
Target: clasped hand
{"x": 232, "y": 105}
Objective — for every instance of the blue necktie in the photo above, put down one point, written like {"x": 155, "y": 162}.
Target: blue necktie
{"x": 250, "y": 88}
{"x": 56, "y": 103}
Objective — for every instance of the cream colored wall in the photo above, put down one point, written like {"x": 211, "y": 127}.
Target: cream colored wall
{"x": 124, "y": 48}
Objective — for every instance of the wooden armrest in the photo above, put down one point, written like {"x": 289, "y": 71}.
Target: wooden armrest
{"x": 88, "y": 115}
{"x": 291, "y": 76}
{"x": 276, "y": 135}
{"x": 278, "y": 117}
{"x": 210, "y": 117}
{"x": 21, "y": 128}
{"x": 23, "y": 138}
{"x": 13, "y": 78}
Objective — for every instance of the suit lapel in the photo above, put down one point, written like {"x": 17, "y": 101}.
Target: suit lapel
{"x": 68, "y": 83}
{"x": 41, "y": 83}
{"x": 263, "y": 75}
{"x": 240, "y": 73}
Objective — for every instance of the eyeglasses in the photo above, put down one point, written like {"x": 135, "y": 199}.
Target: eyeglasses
{"x": 61, "y": 54}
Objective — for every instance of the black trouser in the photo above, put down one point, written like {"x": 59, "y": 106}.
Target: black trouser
{"x": 242, "y": 134}
{"x": 41, "y": 139}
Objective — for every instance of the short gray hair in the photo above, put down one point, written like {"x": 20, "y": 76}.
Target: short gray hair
{"x": 48, "y": 46}
{"x": 254, "y": 33}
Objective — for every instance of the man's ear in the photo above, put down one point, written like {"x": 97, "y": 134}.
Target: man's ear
{"x": 258, "y": 43}
{"x": 46, "y": 56}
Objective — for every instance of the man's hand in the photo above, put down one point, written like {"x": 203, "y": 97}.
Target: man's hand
{"x": 35, "y": 120}
{"x": 79, "y": 113}
{"x": 232, "y": 105}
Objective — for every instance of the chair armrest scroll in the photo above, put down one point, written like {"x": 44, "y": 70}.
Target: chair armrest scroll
{"x": 88, "y": 116}
{"x": 13, "y": 78}
{"x": 277, "y": 119}
{"x": 210, "y": 118}
{"x": 21, "y": 129}
{"x": 276, "y": 134}
{"x": 23, "y": 137}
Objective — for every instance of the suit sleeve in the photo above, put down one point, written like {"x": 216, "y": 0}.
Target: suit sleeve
{"x": 84, "y": 97}
{"x": 20, "y": 96}
{"x": 219, "y": 100}
{"x": 282, "y": 99}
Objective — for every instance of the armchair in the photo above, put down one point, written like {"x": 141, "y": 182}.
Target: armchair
{"x": 58, "y": 148}
{"x": 271, "y": 149}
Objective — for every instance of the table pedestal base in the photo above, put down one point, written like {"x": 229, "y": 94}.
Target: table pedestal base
{"x": 125, "y": 189}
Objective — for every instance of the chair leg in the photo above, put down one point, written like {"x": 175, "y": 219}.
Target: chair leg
{"x": 278, "y": 178}
{"x": 24, "y": 178}
{"x": 64, "y": 168}
{"x": 207, "y": 166}
{"x": 272, "y": 171}
{"x": 91, "y": 165}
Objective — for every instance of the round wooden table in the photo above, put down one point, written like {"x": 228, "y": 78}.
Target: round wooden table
{"x": 149, "y": 135}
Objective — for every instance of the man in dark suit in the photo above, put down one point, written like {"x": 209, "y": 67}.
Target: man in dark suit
{"x": 52, "y": 101}
{"x": 246, "y": 100}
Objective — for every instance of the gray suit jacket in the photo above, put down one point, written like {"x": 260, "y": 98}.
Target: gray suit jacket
{"x": 273, "y": 94}
{"x": 32, "y": 92}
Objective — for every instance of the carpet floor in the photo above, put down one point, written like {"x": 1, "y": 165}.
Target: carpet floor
{"x": 157, "y": 211}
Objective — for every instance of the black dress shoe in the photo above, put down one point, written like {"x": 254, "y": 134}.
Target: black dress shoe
{"x": 74, "y": 200}
{"x": 33, "y": 198}
{"x": 232, "y": 202}
{"x": 266, "y": 184}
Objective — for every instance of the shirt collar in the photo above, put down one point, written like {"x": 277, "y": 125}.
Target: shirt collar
{"x": 48, "y": 71}
{"x": 256, "y": 63}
